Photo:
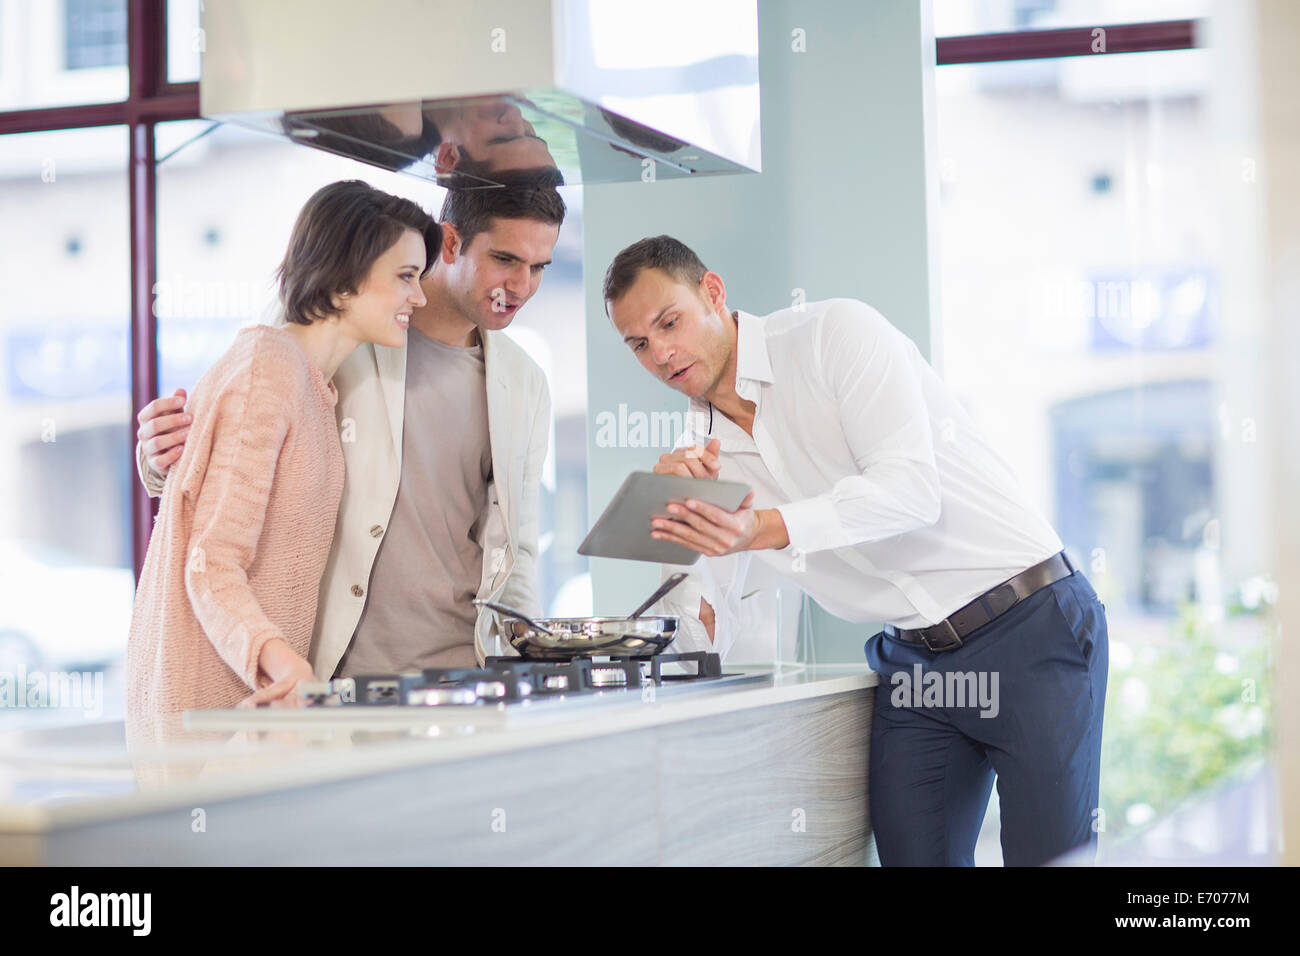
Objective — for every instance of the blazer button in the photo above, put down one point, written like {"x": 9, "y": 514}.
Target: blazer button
{"x": 376, "y": 531}
{"x": 358, "y": 590}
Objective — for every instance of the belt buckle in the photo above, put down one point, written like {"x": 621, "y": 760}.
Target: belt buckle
{"x": 953, "y": 642}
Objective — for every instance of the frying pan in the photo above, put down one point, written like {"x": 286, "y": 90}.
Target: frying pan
{"x": 564, "y": 638}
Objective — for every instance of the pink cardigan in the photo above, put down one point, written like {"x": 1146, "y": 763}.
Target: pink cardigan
{"x": 243, "y": 530}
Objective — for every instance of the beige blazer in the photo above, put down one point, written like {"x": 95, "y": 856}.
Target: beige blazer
{"x": 371, "y": 384}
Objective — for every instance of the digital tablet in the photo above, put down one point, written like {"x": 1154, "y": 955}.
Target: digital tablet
{"x": 623, "y": 530}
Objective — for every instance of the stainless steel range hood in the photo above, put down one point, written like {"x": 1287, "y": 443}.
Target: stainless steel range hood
{"x": 474, "y": 93}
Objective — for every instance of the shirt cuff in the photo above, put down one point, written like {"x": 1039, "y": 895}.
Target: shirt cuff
{"x": 812, "y": 524}
{"x": 691, "y": 636}
{"x": 148, "y": 477}
{"x": 683, "y": 603}
{"x": 253, "y": 675}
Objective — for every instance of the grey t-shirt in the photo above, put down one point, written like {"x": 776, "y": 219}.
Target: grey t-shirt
{"x": 418, "y": 612}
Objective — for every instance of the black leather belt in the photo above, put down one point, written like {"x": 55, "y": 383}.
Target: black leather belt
{"x": 949, "y": 633}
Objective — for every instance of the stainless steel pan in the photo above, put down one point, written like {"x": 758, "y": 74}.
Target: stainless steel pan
{"x": 564, "y": 638}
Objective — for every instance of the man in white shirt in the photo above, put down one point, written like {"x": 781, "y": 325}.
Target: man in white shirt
{"x": 444, "y": 440}
{"x": 875, "y": 494}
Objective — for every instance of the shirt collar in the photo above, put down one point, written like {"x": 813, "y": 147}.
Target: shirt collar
{"x": 753, "y": 364}
{"x": 752, "y": 361}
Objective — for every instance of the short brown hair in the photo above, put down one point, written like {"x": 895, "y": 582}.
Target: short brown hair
{"x": 656, "y": 252}
{"x": 367, "y": 136}
{"x": 523, "y": 194}
{"x": 340, "y": 232}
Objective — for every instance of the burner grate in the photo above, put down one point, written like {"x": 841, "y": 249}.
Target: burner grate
{"x": 510, "y": 680}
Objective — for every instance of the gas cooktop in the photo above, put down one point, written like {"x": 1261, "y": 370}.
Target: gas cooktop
{"x": 513, "y": 680}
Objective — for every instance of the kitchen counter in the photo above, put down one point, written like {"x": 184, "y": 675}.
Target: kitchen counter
{"x": 772, "y": 770}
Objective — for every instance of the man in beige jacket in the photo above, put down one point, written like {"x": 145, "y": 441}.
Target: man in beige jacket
{"x": 444, "y": 441}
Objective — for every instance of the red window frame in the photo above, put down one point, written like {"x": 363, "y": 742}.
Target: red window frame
{"x": 1072, "y": 41}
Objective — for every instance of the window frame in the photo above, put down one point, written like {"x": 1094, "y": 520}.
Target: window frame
{"x": 1069, "y": 41}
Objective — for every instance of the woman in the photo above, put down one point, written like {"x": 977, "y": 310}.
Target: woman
{"x": 227, "y": 596}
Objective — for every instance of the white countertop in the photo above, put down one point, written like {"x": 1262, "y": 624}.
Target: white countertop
{"x": 76, "y": 775}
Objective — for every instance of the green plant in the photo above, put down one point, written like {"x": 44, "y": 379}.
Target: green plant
{"x": 1181, "y": 717}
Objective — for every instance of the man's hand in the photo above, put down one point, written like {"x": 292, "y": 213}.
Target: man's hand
{"x": 164, "y": 426}
{"x": 713, "y": 531}
{"x": 692, "y": 462}
{"x": 706, "y": 618}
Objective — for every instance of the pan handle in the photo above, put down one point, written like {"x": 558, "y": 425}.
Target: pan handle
{"x": 516, "y": 615}
{"x": 664, "y": 588}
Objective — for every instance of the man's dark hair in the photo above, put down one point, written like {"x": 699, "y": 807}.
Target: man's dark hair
{"x": 340, "y": 232}
{"x": 656, "y": 252}
{"x": 366, "y": 136}
{"x": 525, "y": 194}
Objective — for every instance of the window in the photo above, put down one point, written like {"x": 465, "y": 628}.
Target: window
{"x": 184, "y": 41}
{"x": 66, "y": 577}
{"x": 1080, "y": 264}
{"x": 95, "y": 34}
{"x": 52, "y": 55}
{"x": 965, "y": 17}
{"x": 75, "y": 343}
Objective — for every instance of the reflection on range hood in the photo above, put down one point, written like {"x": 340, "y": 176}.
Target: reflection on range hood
{"x": 476, "y": 93}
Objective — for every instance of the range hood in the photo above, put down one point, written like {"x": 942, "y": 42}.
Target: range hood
{"x": 476, "y": 93}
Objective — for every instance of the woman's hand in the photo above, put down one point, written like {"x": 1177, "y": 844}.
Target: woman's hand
{"x": 286, "y": 670}
{"x": 283, "y": 693}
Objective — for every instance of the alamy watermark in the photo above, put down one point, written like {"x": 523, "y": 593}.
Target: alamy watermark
{"x": 946, "y": 689}
{"x": 76, "y": 908}
{"x": 638, "y": 429}
{"x": 82, "y": 690}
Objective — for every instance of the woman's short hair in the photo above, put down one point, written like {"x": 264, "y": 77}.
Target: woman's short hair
{"x": 340, "y": 232}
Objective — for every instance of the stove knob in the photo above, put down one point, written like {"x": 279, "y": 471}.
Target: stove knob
{"x": 314, "y": 692}
{"x": 490, "y": 690}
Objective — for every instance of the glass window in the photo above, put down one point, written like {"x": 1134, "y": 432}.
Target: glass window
{"x": 1080, "y": 270}
{"x": 227, "y": 200}
{"x": 66, "y": 581}
{"x": 94, "y": 34}
{"x": 184, "y": 41}
{"x": 58, "y": 54}
{"x": 962, "y": 17}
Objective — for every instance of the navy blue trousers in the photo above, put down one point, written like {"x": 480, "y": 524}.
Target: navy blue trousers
{"x": 1037, "y": 726}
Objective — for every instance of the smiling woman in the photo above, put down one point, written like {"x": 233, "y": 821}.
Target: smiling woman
{"x": 245, "y": 524}
{"x": 349, "y": 243}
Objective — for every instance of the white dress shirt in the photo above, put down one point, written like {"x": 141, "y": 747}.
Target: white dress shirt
{"x": 898, "y": 511}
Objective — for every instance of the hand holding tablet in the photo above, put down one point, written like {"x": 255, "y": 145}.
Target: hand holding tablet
{"x": 624, "y": 529}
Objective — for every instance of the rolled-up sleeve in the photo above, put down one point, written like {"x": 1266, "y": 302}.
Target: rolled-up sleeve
{"x": 871, "y": 373}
